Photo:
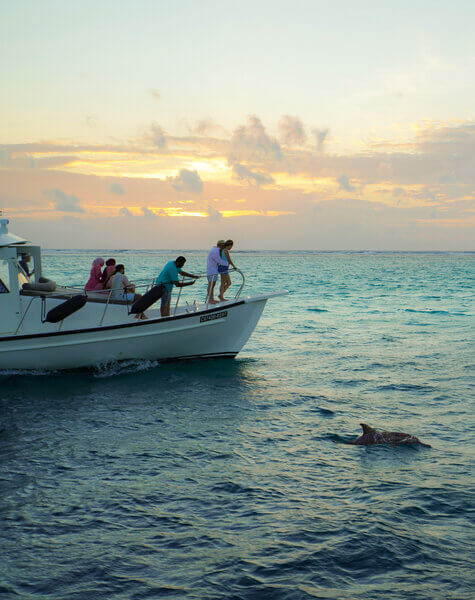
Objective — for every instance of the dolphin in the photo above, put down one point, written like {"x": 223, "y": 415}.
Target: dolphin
{"x": 372, "y": 436}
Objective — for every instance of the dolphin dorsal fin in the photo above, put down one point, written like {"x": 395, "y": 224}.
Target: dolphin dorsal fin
{"x": 366, "y": 428}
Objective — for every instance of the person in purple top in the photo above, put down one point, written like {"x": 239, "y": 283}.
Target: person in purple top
{"x": 214, "y": 259}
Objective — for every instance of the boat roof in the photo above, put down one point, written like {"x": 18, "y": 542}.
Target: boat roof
{"x": 7, "y": 238}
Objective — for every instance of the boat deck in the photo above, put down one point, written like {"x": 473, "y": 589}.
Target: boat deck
{"x": 64, "y": 293}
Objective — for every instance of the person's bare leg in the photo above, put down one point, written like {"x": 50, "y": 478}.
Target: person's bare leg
{"x": 225, "y": 283}
{"x": 210, "y": 299}
{"x": 222, "y": 288}
{"x": 141, "y": 315}
{"x": 165, "y": 310}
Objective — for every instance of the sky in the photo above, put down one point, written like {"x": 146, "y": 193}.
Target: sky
{"x": 282, "y": 125}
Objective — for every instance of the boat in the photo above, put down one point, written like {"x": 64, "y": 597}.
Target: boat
{"x": 53, "y": 327}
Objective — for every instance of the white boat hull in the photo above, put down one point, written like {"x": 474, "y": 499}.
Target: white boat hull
{"x": 220, "y": 331}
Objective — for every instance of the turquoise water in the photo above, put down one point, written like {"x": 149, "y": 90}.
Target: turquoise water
{"x": 229, "y": 479}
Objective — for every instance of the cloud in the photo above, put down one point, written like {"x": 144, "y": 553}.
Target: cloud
{"x": 91, "y": 120}
{"x": 72, "y": 222}
{"x": 205, "y": 127}
{"x": 252, "y": 177}
{"x": 15, "y": 160}
{"x": 11, "y": 158}
{"x": 63, "y": 202}
{"x": 449, "y": 140}
{"x": 399, "y": 192}
{"x": 158, "y": 136}
{"x": 320, "y": 137}
{"x": 152, "y": 213}
{"x": 437, "y": 154}
{"x": 50, "y": 161}
{"x": 292, "y": 131}
{"x": 250, "y": 143}
{"x": 434, "y": 165}
{"x": 446, "y": 178}
{"x": 187, "y": 181}
{"x": 155, "y": 94}
{"x": 213, "y": 214}
{"x": 116, "y": 188}
{"x": 345, "y": 184}
{"x": 5, "y": 155}
{"x": 148, "y": 213}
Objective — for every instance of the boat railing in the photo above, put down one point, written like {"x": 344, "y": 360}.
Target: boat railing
{"x": 144, "y": 285}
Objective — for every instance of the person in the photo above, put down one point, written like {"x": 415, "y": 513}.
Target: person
{"x": 214, "y": 259}
{"x": 168, "y": 278}
{"x": 122, "y": 289}
{"x": 23, "y": 262}
{"x": 108, "y": 271}
{"x": 107, "y": 283}
{"x": 95, "y": 279}
{"x": 224, "y": 271}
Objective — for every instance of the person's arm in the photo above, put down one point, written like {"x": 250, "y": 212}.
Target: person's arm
{"x": 24, "y": 267}
{"x": 108, "y": 281}
{"x": 229, "y": 259}
{"x": 184, "y": 273}
{"x": 128, "y": 287}
{"x": 184, "y": 283}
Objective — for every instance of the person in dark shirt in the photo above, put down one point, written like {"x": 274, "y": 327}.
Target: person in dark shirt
{"x": 25, "y": 259}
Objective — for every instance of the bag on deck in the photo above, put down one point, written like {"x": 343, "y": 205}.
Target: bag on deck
{"x": 58, "y": 313}
{"x": 148, "y": 299}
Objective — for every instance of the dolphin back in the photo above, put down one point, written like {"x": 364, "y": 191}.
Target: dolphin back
{"x": 367, "y": 429}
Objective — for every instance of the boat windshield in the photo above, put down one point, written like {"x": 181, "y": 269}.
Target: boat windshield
{"x": 22, "y": 278}
{"x": 4, "y": 277}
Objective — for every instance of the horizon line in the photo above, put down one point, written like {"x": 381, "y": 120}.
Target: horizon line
{"x": 258, "y": 250}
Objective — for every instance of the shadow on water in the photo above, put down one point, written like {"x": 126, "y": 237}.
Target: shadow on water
{"x": 125, "y": 371}
{"x": 174, "y": 412}
{"x": 129, "y": 388}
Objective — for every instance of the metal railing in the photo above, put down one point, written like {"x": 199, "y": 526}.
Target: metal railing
{"x": 108, "y": 295}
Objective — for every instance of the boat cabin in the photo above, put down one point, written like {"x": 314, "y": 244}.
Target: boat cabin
{"x": 20, "y": 263}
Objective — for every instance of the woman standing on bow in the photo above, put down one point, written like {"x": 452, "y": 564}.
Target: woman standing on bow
{"x": 224, "y": 270}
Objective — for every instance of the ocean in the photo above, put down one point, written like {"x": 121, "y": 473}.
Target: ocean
{"x": 230, "y": 479}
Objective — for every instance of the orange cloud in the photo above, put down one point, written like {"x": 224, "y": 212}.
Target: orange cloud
{"x": 202, "y": 179}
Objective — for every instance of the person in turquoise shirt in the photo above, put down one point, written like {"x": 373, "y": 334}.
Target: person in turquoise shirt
{"x": 169, "y": 277}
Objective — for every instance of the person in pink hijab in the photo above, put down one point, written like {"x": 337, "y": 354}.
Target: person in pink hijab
{"x": 95, "y": 280}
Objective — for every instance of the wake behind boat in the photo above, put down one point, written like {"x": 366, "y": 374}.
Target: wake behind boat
{"x": 47, "y": 326}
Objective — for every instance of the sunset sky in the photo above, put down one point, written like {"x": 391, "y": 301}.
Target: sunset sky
{"x": 283, "y": 125}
